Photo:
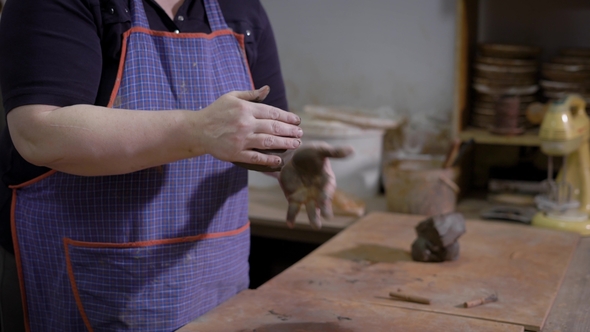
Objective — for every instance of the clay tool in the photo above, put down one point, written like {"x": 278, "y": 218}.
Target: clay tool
{"x": 478, "y": 302}
{"x": 409, "y": 298}
{"x": 438, "y": 236}
{"x": 452, "y": 153}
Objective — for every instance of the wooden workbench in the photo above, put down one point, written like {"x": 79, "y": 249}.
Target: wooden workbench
{"x": 317, "y": 303}
{"x": 571, "y": 308}
{"x": 281, "y": 311}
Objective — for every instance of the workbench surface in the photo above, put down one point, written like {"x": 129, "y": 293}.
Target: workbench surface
{"x": 281, "y": 311}
{"x": 548, "y": 270}
{"x": 571, "y": 308}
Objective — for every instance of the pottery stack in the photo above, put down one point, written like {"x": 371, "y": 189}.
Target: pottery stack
{"x": 566, "y": 73}
{"x": 504, "y": 71}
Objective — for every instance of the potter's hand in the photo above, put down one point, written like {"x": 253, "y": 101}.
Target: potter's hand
{"x": 238, "y": 128}
{"x": 307, "y": 179}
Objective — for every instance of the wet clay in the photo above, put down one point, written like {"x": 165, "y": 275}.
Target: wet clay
{"x": 437, "y": 238}
{"x": 373, "y": 253}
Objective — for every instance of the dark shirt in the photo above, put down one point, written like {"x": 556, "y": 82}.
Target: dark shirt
{"x": 66, "y": 52}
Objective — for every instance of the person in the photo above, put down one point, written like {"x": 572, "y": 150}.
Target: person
{"x": 131, "y": 125}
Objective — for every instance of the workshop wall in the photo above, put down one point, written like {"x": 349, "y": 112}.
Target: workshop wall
{"x": 397, "y": 53}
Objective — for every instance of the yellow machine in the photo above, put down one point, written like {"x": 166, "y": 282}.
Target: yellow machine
{"x": 565, "y": 132}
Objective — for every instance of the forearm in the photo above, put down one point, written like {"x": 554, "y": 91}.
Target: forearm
{"x": 93, "y": 140}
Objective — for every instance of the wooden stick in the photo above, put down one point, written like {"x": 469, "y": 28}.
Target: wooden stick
{"x": 483, "y": 300}
{"x": 452, "y": 153}
{"x": 409, "y": 298}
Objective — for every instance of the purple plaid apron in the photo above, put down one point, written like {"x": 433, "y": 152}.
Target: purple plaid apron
{"x": 154, "y": 249}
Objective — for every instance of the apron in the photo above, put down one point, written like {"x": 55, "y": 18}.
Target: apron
{"x": 154, "y": 249}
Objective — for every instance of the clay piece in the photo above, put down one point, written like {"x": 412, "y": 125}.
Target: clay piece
{"x": 437, "y": 239}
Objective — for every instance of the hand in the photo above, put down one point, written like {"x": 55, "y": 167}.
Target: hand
{"x": 238, "y": 129}
{"x": 307, "y": 179}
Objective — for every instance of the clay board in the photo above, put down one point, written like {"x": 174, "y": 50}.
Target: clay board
{"x": 280, "y": 311}
{"x": 522, "y": 265}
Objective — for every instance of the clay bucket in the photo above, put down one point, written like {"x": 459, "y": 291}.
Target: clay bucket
{"x": 420, "y": 187}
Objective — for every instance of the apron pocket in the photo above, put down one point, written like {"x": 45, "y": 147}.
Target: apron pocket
{"x": 155, "y": 286}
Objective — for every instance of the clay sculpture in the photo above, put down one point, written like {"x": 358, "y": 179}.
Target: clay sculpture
{"x": 437, "y": 238}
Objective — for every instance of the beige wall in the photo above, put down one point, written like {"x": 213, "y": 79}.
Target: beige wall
{"x": 400, "y": 53}
{"x": 372, "y": 53}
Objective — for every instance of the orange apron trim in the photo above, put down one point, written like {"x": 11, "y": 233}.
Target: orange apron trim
{"x": 206, "y": 236}
{"x": 19, "y": 266}
{"x": 33, "y": 181}
{"x": 239, "y": 37}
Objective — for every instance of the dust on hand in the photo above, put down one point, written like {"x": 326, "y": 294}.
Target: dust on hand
{"x": 307, "y": 179}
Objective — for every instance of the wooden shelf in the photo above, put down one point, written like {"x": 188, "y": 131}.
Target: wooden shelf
{"x": 482, "y": 136}
{"x": 501, "y": 22}
{"x": 506, "y": 22}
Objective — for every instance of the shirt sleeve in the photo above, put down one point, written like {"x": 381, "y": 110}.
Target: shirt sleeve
{"x": 266, "y": 69}
{"x": 50, "y": 53}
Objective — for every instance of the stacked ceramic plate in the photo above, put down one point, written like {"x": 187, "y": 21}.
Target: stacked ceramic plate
{"x": 503, "y": 70}
{"x": 567, "y": 73}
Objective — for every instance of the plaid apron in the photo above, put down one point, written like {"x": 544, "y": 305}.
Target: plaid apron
{"x": 154, "y": 249}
